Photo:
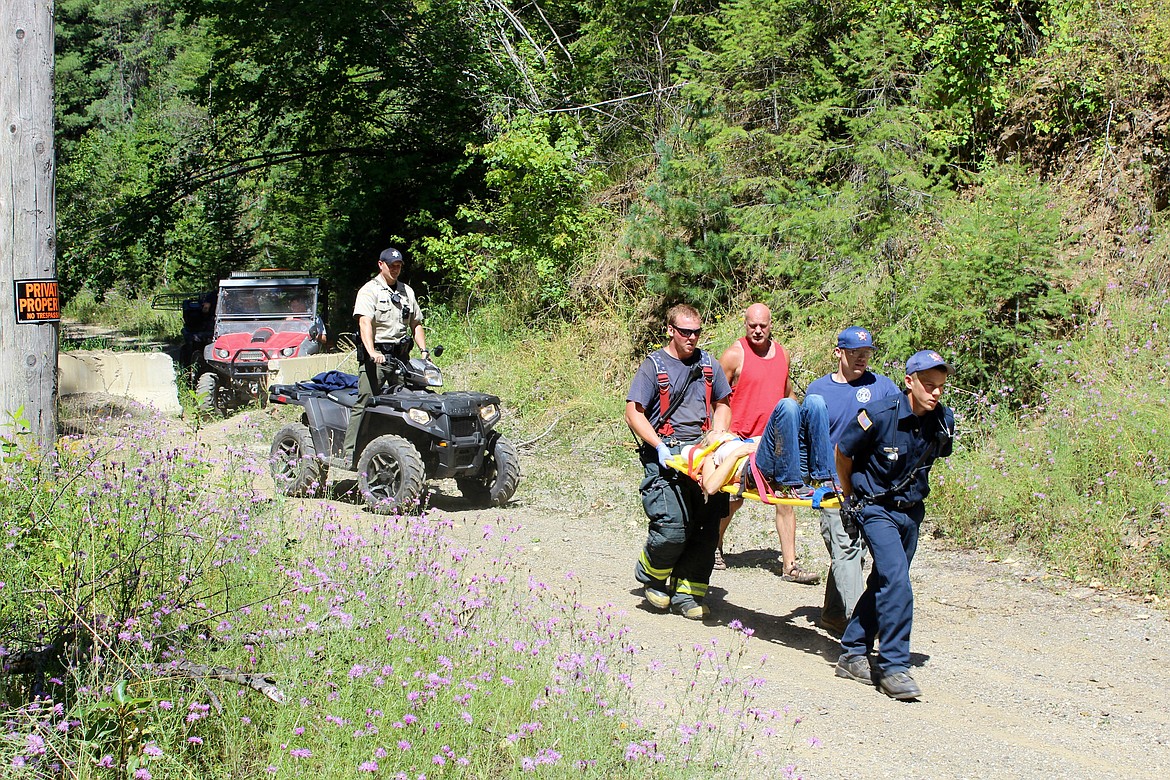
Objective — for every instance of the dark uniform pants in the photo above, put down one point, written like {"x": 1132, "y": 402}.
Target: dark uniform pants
{"x": 885, "y": 611}
{"x": 683, "y": 532}
{"x": 370, "y": 381}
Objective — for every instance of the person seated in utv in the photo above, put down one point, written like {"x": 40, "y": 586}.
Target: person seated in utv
{"x": 299, "y": 306}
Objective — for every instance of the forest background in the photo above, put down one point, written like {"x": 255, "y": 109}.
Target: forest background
{"x": 986, "y": 177}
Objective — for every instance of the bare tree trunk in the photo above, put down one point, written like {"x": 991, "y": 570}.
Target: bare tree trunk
{"x": 29, "y": 304}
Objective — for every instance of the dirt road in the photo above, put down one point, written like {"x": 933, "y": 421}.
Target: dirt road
{"x": 1025, "y": 675}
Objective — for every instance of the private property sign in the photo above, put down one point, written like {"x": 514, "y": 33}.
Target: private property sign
{"x": 37, "y": 301}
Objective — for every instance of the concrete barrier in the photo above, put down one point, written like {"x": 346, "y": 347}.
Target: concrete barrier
{"x": 299, "y": 369}
{"x": 146, "y": 377}
{"x": 149, "y": 377}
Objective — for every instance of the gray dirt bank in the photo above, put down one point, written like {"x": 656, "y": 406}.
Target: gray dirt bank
{"x": 1025, "y": 675}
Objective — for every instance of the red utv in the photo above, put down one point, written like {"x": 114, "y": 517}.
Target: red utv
{"x": 259, "y": 316}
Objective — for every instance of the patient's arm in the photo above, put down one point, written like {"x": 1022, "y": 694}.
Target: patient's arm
{"x": 715, "y": 477}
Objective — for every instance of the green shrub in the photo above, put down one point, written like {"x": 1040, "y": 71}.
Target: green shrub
{"x": 1081, "y": 477}
{"x": 987, "y": 288}
{"x": 523, "y": 244}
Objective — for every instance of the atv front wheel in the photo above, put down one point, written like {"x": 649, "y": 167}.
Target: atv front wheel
{"x": 390, "y": 475}
{"x": 296, "y": 469}
{"x": 212, "y": 395}
{"x": 501, "y": 476}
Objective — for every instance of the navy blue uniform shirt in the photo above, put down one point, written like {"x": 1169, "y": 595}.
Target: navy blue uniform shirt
{"x": 886, "y": 440}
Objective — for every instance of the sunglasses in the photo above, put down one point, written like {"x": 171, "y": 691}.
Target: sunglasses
{"x": 687, "y": 333}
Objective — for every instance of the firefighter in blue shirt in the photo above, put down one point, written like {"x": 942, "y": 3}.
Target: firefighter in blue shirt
{"x": 883, "y": 461}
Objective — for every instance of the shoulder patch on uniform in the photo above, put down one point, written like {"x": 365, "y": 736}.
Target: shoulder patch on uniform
{"x": 863, "y": 420}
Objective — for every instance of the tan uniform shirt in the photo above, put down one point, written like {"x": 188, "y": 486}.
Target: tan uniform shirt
{"x": 395, "y": 311}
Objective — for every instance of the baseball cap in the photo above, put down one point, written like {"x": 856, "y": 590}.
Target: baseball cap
{"x": 854, "y": 337}
{"x": 926, "y": 359}
{"x": 390, "y": 255}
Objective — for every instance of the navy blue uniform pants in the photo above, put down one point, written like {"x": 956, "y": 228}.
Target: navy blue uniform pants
{"x": 885, "y": 611}
{"x": 682, "y": 534}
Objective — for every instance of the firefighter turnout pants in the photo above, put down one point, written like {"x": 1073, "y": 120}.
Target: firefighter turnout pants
{"x": 683, "y": 532}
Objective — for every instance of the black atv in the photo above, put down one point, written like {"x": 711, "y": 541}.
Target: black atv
{"x": 409, "y": 434}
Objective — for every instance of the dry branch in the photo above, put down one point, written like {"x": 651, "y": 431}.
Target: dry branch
{"x": 256, "y": 681}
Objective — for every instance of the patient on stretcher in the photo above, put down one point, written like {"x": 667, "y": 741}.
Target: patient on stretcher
{"x": 723, "y": 461}
{"x": 718, "y": 460}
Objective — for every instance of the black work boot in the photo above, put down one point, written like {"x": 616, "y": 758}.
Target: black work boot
{"x": 854, "y": 667}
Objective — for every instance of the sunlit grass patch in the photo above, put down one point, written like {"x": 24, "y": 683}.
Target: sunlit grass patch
{"x": 129, "y": 314}
{"x": 563, "y": 386}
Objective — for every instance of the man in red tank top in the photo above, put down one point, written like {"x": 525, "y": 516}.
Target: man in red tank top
{"x": 757, "y": 368}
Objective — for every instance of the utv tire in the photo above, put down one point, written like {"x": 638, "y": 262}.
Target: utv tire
{"x": 296, "y": 469}
{"x": 211, "y": 394}
{"x": 390, "y": 475}
{"x": 501, "y": 476}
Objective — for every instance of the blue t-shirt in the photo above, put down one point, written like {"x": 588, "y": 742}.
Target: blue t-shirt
{"x": 690, "y": 415}
{"x": 845, "y": 399}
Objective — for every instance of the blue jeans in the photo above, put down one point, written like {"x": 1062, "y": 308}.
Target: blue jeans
{"x": 816, "y": 451}
{"x": 795, "y": 444}
{"x": 885, "y": 610}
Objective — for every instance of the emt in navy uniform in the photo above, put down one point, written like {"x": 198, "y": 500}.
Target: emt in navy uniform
{"x": 389, "y": 319}
{"x": 883, "y": 461}
{"x": 677, "y": 394}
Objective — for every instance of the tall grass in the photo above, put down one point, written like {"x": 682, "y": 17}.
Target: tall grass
{"x": 564, "y": 386}
{"x": 1082, "y": 478}
{"x": 129, "y": 314}
{"x": 204, "y": 630}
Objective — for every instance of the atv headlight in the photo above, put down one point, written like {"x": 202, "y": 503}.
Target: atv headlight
{"x": 489, "y": 414}
{"x": 222, "y": 354}
{"x": 434, "y": 377}
{"x": 288, "y": 351}
{"x": 419, "y": 416}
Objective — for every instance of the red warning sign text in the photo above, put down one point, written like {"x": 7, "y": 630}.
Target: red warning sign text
{"x": 37, "y": 301}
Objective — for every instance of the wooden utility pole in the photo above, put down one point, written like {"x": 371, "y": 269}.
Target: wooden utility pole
{"x": 29, "y": 302}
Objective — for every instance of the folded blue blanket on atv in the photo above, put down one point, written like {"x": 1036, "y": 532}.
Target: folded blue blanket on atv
{"x": 331, "y": 380}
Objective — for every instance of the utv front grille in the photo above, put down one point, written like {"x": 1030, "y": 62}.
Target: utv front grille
{"x": 464, "y": 426}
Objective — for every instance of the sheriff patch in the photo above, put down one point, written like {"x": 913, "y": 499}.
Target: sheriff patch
{"x": 863, "y": 420}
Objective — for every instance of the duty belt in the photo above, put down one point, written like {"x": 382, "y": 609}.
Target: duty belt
{"x": 391, "y": 346}
{"x": 895, "y": 503}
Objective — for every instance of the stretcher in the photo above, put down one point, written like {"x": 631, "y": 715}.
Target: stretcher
{"x": 691, "y": 464}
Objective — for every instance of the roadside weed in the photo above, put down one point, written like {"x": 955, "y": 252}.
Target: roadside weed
{"x": 1082, "y": 478}
{"x": 163, "y": 618}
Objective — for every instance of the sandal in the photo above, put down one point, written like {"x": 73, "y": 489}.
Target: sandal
{"x": 720, "y": 564}
{"x": 799, "y": 575}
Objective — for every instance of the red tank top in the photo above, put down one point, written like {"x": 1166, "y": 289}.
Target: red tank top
{"x": 762, "y": 383}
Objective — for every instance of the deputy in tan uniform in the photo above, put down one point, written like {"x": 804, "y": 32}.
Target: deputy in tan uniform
{"x": 389, "y": 320}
